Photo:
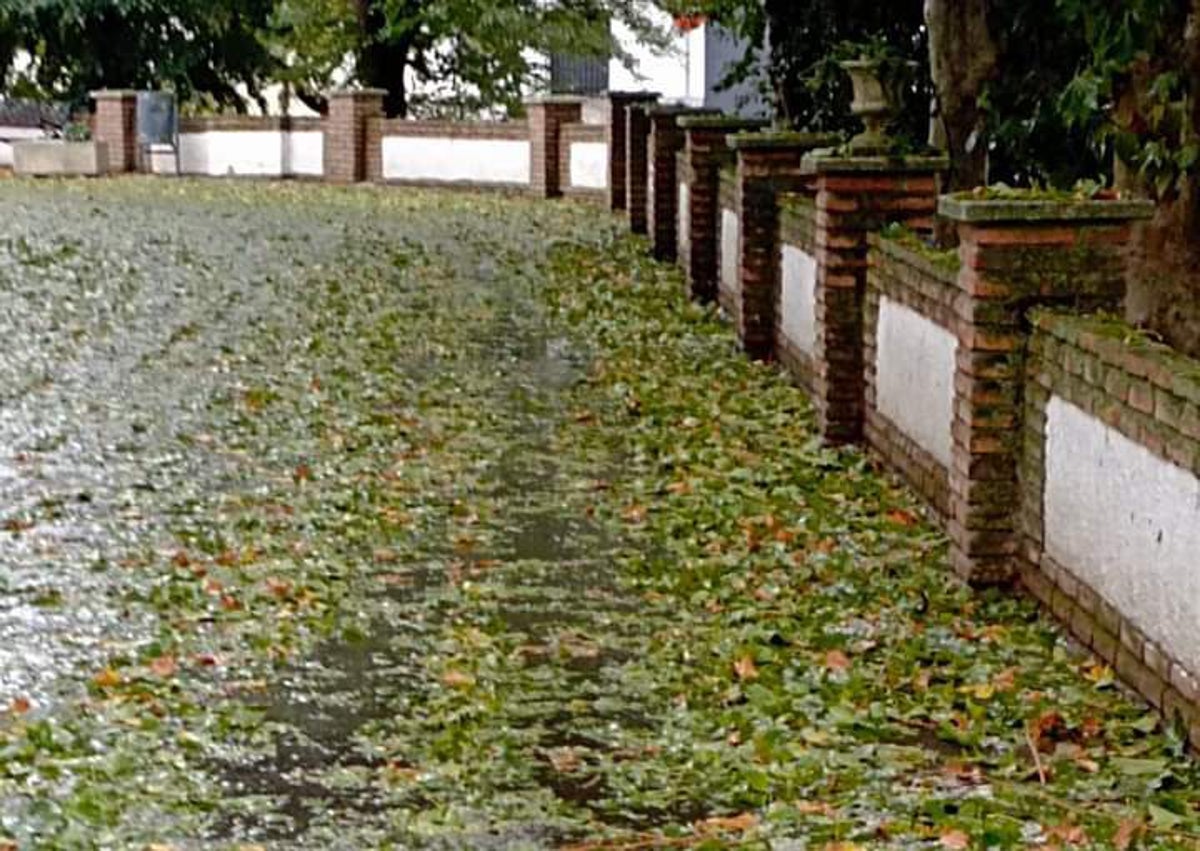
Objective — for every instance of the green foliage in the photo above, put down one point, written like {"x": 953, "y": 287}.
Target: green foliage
{"x": 809, "y": 37}
{"x": 201, "y": 49}
{"x": 470, "y": 55}
{"x": 1130, "y": 90}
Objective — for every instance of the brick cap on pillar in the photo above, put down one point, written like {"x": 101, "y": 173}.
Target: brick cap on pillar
{"x": 357, "y": 93}
{"x": 817, "y": 163}
{"x": 701, "y": 121}
{"x": 973, "y": 210}
{"x": 552, "y": 100}
{"x": 782, "y": 141}
{"x": 679, "y": 109}
{"x": 629, "y": 97}
{"x": 114, "y": 94}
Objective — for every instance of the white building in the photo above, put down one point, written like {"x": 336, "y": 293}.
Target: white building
{"x": 691, "y": 71}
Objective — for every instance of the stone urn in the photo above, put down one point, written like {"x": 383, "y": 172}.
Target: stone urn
{"x": 878, "y": 99}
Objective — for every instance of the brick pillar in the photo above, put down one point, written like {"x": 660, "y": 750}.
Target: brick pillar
{"x": 855, "y": 196}
{"x": 1015, "y": 256}
{"x": 618, "y": 139}
{"x": 637, "y": 166}
{"x": 665, "y": 142}
{"x": 373, "y": 142}
{"x": 767, "y": 164}
{"x": 547, "y": 115}
{"x": 705, "y": 150}
{"x": 346, "y": 133}
{"x": 115, "y": 124}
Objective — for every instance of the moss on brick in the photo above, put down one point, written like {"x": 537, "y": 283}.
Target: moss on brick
{"x": 944, "y": 259}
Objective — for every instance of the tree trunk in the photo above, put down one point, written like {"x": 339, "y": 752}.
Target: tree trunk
{"x": 963, "y": 57}
{"x": 381, "y": 61}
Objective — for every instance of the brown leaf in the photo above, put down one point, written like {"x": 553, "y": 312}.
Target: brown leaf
{"x": 457, "y": 679}
{"x": 956, "y": 840}
{"x": 745, "y": 669}
{"x": 565, "y": 760}
{"x": 731, "y": 824}
{"x": 1071, "y": 834}
{"x": 1127, "y": 832}
{"x": 836, "y": 660}
{"x": 19, "y": 706}
{"x": 280, "y": 588}
{"x": 902, "y": 518}
{"x": 634, "y": 514}
{"x": 164, "y": 666}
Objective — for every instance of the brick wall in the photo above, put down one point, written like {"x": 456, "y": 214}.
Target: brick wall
{"x": 573, "y": 184}
{"x": 637, "y": 166}
{"x": 666, "y": 141}
{"x": 856, "y": 196}
{"x": 798, "y": 230}
{"x": 115, "y": 124}
{"x": 1014, "y": 258}
{"x": 618, "y": 144}
{"x": 706, "y": 151}
{"x": 346, "y": 134}
{"x": 1150, "y": 395}
{"x": 547, "y": 116}
{"x": 768, "y": 164}
{"x": 908, "y": 277}
{"x": 728, "y": 205}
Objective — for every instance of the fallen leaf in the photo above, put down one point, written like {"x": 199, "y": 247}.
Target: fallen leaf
{"x": 731, "y": 824}
{"x": 1127, "y": 832}
{"x": 836, "y": 660}
{"x": 565, "y": 760}
{"x": 20, "y": 706}
{"x": 956, "y": 840}
{"x": 108, "y": 678}
{"x": 745, "y": 668}
{"x": 164, "y": 666}
{"x": 457, "y": 679}
{"x": 902, "y": 518}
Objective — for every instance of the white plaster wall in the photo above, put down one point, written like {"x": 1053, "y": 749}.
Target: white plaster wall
{"x": 589, "y": 165}
{"x": 1127, "y": 523}
{"x": 456, "y": 160}
{"x": 798, "y": 298}
{"x": 306, "y": 153}
{"x": 685, "y": 217}
{"x": 13, "y": 134}
{"x": 730, "y": 249}
{"x": 232, "y": 152}
{"x": 915, "y": 364}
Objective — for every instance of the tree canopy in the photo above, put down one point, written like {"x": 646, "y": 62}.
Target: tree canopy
{"x": 471, "y": 54}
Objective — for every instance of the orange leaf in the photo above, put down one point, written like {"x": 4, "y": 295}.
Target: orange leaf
{"x": 164, "y": 666}
{"x": 902, "y": 518}
{"x": 20, "y": 706}
{"x": 956, "y": 840}
{"x": 108, "y": 678}
{"x": 1127, "y": 832}
{"x": 732, "y": 824}
{"x": 836, "y": 660}
{"x": 457, "y": 679}
{"x": 279, "y": 587}
{"x": 745, "y": 668}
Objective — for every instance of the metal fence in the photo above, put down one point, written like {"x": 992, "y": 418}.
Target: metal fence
{"x": 578, "y": 75}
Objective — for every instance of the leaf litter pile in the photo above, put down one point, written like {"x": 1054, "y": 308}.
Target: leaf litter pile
{"x": 345, "y": 518}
